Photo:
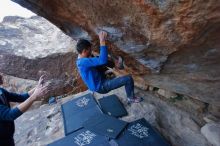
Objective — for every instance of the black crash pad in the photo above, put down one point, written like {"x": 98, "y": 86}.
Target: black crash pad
{"x": 82, "y": 137}
{"x": 140, "y": 133}
{"x": 77, "y": 111}
{"x": 83, "y": 102}
{"x": 105, "y": 125}
{"x": 112, "y": 106}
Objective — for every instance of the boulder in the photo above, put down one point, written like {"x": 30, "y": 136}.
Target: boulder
{"x": 173, "y": 45}
{"x": 31, "y": 47}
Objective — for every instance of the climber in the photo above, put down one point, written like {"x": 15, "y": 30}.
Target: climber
{"x": 91, "y": 75}
{"x": 8, "y": 114}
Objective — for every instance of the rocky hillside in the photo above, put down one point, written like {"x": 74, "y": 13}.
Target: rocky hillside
{"x": 32, "y": 47}
{"x": 32, "y": 38}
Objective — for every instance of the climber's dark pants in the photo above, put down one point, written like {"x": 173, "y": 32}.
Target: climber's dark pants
{"x": 111, "y": 84}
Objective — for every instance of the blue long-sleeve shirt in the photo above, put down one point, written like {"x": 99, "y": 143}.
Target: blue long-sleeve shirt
{"x": 8, "y": 114}
{"x": 87, "y": 69}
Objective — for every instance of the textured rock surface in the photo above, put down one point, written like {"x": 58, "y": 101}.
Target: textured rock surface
{"x": 177, "y": 40}
{"x": 32, "y": 47}
{"x": 15, "y": 84}
{"x": 44, "y": 125}
{"x": 32, "y": 38}
{"x": 166, "y": 94}
{"x": 40, "y": 126}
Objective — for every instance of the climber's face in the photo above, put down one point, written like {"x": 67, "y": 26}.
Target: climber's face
{"x": 88, "y": 52}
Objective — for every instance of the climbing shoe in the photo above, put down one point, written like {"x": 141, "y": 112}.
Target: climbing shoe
{"x": 135, "y": 100}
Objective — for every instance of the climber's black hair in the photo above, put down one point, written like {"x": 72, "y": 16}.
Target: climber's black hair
{"x": 82, "y": 44}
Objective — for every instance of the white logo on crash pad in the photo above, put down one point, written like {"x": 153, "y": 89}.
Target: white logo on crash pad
{"x": 84, "y": 138}
{"x": 139, "y": 130}
{"x": 82, "y": 102}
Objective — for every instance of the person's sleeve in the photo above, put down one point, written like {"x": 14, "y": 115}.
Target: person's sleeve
{"x": 14, "y": 97}
{"x": 97, "y": 61}
{"x": 8, "y": 114}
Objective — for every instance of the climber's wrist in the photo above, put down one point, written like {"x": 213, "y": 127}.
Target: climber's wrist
{"x": 102, "y": 43}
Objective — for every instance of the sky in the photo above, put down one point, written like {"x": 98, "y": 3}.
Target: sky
{"x": 9, "y": 8}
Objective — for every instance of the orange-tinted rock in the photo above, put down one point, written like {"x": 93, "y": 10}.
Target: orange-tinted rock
{"x": 170, "y": 44}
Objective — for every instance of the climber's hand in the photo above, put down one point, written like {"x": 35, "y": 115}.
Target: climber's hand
{"x": 102, "y": 36}
{"x": 42, "y": 80}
